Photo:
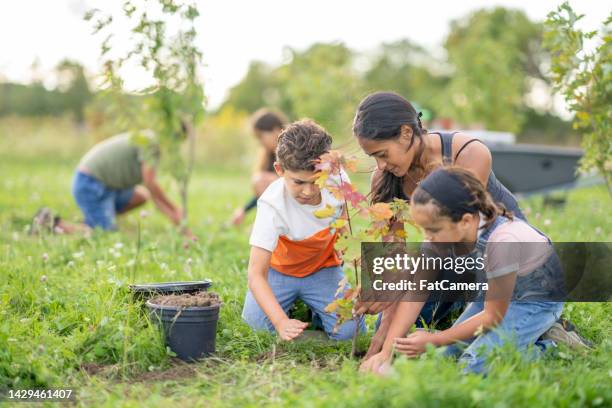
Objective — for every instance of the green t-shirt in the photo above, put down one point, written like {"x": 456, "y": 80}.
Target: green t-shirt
{"x": 116, "y": 161}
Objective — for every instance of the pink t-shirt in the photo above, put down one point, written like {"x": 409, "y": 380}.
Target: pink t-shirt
{"x": 515, "y": 247}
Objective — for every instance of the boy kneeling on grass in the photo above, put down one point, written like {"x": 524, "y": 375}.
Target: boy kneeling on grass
{"x": 292, "y": 251}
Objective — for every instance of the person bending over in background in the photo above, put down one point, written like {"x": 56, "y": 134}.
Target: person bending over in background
{"x": 267, "y": 125}
{"x": 114, "y": 177}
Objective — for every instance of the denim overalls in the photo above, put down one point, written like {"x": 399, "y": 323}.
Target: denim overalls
{"x": 434, "y": 310}
{"x": 531, "y": 312}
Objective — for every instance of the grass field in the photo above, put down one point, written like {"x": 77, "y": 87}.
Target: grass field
{"x": 66, "y": 319}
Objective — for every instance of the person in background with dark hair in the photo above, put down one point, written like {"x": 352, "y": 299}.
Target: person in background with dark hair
{"x": 267, "y": 125}
{"x": 389, "y": 129}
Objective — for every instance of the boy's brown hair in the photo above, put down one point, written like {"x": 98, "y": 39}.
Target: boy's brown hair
{"x": 301, "y": 144}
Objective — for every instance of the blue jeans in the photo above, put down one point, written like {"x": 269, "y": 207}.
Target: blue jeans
{"x": 316, "y": 291}
{"x": 522, "y": 325}
{"x": 99, "y": 203}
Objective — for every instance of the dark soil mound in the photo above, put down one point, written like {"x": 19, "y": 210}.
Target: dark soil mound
{"x": 199, "y": 299}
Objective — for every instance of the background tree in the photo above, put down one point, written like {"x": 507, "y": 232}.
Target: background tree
{"x": 321, "y": 83}
{"x": 494, "y": 55}
{"x": 74, "y": 86}
{"x": 174, "y": 100}
{"x": 255, "y": 90}
{"x": 408, "y": 69}
{"x": 585, "y": 80}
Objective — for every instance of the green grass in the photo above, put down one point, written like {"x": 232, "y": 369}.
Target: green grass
{"x": 73, "y": 309}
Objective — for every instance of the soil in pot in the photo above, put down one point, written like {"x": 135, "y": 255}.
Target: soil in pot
{"x": 189, "y": 322}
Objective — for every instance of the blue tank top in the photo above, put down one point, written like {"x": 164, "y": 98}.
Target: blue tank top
{"x": 498, "y": 191}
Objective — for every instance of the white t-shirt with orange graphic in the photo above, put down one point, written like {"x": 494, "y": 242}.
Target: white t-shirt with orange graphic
{"x": 300, "y": 242}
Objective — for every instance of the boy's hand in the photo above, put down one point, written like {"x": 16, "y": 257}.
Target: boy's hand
{"x": 289, "y": 329}
{"x": 379, "y": 363}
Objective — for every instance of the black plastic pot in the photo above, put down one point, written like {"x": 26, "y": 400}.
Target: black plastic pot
{"x": 190, "y": 332}
{"x": 148, "y": 290}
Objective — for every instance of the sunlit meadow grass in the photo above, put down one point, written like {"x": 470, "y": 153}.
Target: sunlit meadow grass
{"x": 64, "y": 305}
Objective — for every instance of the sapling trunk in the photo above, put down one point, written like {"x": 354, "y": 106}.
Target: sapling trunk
{"x": 356, "y": 318}
{"x": 184, "y": 183}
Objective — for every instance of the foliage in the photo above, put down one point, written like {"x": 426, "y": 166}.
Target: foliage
{"x": 175, "y": 99}
{"x": 71, "y": 95}
{"x": 84, "y": 281}
{"x": 330, "y": 169}
{"x": 494, "y": 53}
{"x": 408, "y": 69}
{"x": 585, "y": 80}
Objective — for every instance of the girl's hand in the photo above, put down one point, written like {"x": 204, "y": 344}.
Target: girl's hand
{"x": 415, "y": 344}
{"x": 379, "y": 363}
{"x": 289, "y": 329}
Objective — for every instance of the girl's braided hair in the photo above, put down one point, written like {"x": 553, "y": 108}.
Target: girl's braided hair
{"x": 300, "y": 144}
{"x": 481, "y": 199}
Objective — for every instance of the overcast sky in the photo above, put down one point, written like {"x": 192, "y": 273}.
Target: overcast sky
{"x": 232, "y": 33}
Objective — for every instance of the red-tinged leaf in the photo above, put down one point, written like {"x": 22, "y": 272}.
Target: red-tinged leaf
{"x": 331, "y": 161}
{"x": 336, "y": 192}
{"x": 381, "y": 211}
{"x": 351, "y": 164}
{"x": 350, "y": 194}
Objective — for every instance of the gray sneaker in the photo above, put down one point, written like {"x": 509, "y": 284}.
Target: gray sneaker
{"x": 43, "y": 222}
{"x": 563, "y": 331}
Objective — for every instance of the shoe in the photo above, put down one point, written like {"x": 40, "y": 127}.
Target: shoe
{"x": 563, "y": 331}
{"x": 43, "y": 221}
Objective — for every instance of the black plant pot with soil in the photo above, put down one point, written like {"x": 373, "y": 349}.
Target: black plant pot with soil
{"x": 189, "y": 322}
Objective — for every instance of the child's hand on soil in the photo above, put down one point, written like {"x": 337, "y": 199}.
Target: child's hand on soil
{"x": 414, "y": 344}
{"x": 379, "y": 363}
{"x": 289, "y": 329}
